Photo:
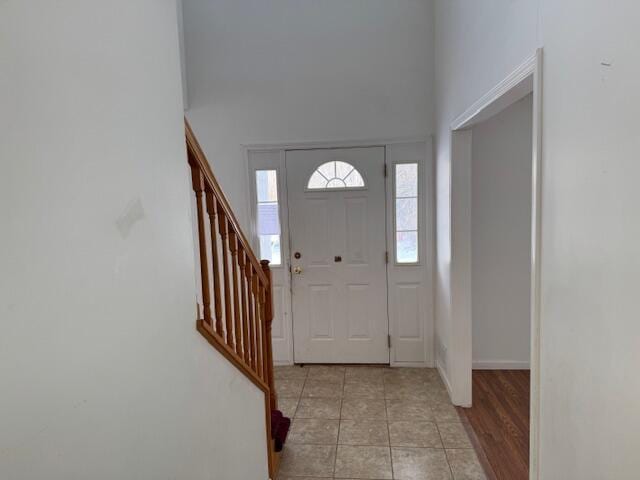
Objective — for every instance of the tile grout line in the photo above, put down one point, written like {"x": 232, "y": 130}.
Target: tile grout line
{"x": 393, "y": 475}
{"x": 386, "y": 414}
{"x": 387, "y": 389}
{"x": 446, "y": 457}
{"x": 335, "y": 458}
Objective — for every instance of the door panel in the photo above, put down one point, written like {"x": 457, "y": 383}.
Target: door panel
{"x": 316, "y": 234}
{"x": 358, "y": 317}
{"x": 320, "y": 301}
{"x": 356, "y": 228}
{"x": 339, "y": 290}
{"x": 408, "y": 314}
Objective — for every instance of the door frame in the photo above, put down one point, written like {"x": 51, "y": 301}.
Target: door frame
{"x": 525, "y": 79}
{"x": 427, "y": 235}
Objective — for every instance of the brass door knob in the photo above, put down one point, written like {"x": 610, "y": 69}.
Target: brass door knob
{"x": 297, "y": 270}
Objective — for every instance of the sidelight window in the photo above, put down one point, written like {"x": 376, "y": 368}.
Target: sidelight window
{"x": 268, "y": 218}
{"x": 406, "y": 212}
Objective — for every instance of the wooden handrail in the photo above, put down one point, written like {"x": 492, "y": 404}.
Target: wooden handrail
{"x": 237, "y": 295}
{"x": 197, "y": 155}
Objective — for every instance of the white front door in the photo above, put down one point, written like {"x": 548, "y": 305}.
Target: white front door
{"x": 337, "y": 223}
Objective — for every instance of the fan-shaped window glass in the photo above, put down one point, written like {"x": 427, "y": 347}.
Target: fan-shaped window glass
{"x": 333, "y": 175}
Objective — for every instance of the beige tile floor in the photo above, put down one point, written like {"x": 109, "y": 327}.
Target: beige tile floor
{"x": 371, "y": 423}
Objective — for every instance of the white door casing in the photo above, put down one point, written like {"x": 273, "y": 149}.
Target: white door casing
{"x": 339, "y": 291}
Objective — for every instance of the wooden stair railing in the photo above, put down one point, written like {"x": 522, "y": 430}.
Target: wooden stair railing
{"x": 238, "y": 324}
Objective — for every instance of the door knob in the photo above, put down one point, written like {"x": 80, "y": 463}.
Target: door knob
{"x": 297, "y": 270}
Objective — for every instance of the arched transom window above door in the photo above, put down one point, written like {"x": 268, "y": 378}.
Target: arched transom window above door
{"x": 335, "y": 175}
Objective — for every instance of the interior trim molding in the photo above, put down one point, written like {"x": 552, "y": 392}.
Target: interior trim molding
{"x": 331, "y": 144}
{"x": 518, "y": 83}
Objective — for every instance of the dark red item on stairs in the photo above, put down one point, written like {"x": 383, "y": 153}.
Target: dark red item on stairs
{"x": 279, "y": 428}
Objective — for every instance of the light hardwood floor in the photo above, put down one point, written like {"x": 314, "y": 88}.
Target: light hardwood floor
{"x": 499, "y": 420}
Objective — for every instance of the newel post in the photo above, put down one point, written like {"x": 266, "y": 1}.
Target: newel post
{"x": 268, "y": 307}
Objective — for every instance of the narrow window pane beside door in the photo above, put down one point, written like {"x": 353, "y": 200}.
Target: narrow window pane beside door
{"x": 407, "y": 247}
{"x": 406, "y": 212}
{"x": 268, "y": 218}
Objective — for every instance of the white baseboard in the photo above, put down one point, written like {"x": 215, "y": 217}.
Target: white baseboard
{"x": 282, "y": 363}
{"x": 410, "y": 364}
{"x": 500, "y": 365}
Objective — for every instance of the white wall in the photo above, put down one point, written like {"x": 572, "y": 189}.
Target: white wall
{"x": 304, "y": 70}
{"x": 103, "y": 375}
{"x": 501, "y": 238}
{"x": 590, "y": 231}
